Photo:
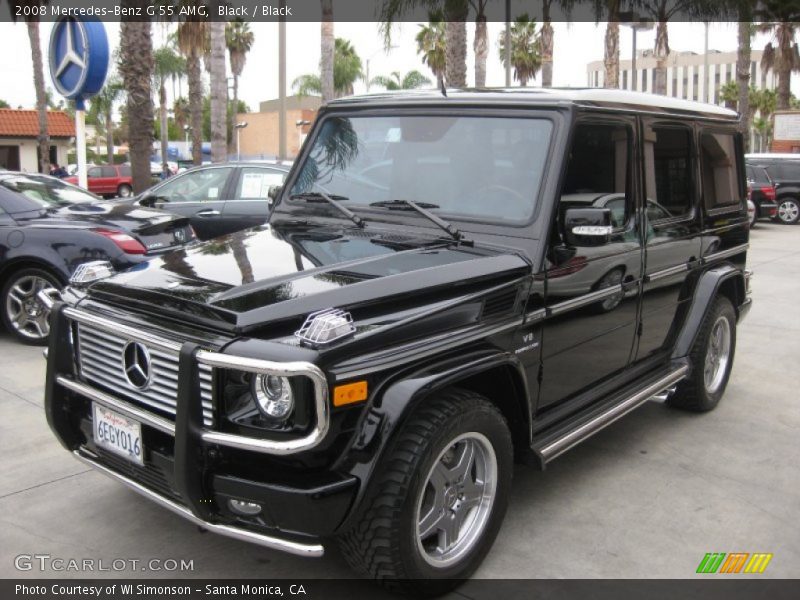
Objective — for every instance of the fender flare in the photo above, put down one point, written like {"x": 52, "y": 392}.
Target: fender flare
{"x": 707, "y": 288}
{"x": 392, "y": 405}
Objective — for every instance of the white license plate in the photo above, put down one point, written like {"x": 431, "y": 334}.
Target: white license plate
{"x": 118, "y": 434}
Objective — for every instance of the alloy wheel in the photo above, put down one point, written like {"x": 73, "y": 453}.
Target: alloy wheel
{"x": 788, "y": 211}
{"x": 27, "y": 315}
{"x": 718, "y": 354}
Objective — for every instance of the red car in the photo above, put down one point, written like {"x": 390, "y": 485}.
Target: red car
{"x": 108, "y": 180}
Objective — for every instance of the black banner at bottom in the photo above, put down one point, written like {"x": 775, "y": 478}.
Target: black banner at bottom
{"x": 351, "y": 589}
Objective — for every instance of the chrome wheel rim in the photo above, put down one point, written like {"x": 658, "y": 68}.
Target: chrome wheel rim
{"x": 456, "y": 500}
{"x": 27, "y": 315}
{"x": 611, "y": 279}
{"x": 718, "y": 355}
{"x": 788, "y": 211}
{"x": 124, "y": 191}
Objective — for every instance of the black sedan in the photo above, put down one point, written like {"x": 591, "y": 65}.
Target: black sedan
{"x": 220, "y": 198}
{"x": 49, "y": 227}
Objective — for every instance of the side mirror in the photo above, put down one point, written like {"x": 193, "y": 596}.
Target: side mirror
{"x": 587, "y": 226}
{"x": 274, "y": 192}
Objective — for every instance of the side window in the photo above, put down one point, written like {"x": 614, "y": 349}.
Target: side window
{"x": 108, "y": 172}
{"x": 598, "y": 167}
{"x": 196, "y": 186}
{"x": 254, "y": 183}
{"x": 669, "y": 170}
{"x": 124, "y": 171}
{"x": 94, "y": 172}
{"x": 718, "y": 169}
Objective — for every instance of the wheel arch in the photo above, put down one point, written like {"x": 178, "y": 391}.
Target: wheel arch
{"x": 726, "y": 280}
{"x": 31, "y": 262}
{"x": 497, "y": 376}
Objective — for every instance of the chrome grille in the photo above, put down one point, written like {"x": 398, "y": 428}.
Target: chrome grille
{"x": 100, "y": 362}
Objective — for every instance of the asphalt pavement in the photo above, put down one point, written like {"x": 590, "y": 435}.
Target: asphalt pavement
{"x": 647, "y": 497}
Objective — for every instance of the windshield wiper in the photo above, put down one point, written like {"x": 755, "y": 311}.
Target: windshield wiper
{"x": 421, "y": 208}
{"x": 311, "y": 196}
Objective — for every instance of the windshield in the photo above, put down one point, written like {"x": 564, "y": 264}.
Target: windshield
{"x": 47, "y": 191}
{"x": 483, "y": 167}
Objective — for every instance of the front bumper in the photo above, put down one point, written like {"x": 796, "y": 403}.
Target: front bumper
{"x": 190, "y": 469}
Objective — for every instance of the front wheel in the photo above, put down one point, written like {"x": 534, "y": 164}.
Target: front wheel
{"x": 711, "y": 359}
{"x": 438, "y": 498}
{"x": 24, "y": 315}
{"x": 124, "y": 191}
{"x": 788, "y": 211}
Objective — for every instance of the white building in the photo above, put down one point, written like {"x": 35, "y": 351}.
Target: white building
{"x": 19, "y": 129}
{"x": 686, "y": 76}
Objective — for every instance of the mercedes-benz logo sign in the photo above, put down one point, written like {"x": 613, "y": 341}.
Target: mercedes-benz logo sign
{"x": 136, "y": 364}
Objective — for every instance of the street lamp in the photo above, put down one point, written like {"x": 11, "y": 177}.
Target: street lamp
{"x": 238, "y": 127}
{"x": 637, "y": 23}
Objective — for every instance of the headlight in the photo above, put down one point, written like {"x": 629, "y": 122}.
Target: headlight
{"x": 274, "y": 396}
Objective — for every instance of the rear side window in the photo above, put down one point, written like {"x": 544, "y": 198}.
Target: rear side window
{"x": 789, "y": 170}
{"x": 108, "y": 172}
{"x": 718, "y": 170}
{"x": 124, "y": 171}
{"x": 669, "y": 170}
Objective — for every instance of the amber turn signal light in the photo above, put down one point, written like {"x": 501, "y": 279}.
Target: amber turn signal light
{"x": 350, "y": 393}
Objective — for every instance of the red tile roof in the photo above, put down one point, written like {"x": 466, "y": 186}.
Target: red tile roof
{"x": 25, "y": 123}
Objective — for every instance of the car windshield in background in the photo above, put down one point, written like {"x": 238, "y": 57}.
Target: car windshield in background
{"x": 47, "y": 191}
{"x": 487, "y": 168}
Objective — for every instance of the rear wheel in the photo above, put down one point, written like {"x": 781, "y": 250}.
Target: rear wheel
{"x": 23, "y": 313}
{"x": 788, "y": 211}
{"x": 124, "y": 191}
{"x": 438, "y": 498}
{"x": 712, "y": 360}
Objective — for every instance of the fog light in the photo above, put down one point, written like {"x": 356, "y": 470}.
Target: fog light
{"x": 243, "y": 507}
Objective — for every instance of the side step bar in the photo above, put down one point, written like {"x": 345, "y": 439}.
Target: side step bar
{"x": 555, "y": 445}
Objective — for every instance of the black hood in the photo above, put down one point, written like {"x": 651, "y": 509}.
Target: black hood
{"x": 249, "y": 279}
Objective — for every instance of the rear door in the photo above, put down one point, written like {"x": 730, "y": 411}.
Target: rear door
{"x": 94, "y": 180}
{"x": 672, "y": 230}
{"x": 197, "y": 194}
{"x": 249, "y": 204}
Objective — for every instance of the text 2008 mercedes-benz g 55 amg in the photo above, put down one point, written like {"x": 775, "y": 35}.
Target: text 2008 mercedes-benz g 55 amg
{"x": 446, "y": 284}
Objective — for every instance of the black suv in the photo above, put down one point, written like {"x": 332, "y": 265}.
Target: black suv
{"x": 447, "y": 285}
{"x": 784, "y": 172}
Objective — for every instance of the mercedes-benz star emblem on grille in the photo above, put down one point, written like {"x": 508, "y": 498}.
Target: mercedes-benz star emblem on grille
{"x": 136, "y": 363}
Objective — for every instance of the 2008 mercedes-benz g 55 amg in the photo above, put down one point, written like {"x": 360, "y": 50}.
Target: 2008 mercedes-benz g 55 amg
{"x": 446, "y": 284}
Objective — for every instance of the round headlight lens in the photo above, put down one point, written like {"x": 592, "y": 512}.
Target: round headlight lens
{"x": 274, "y": 396}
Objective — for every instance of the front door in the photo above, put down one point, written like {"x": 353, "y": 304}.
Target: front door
{"x": 249, "y": 205}
{"x": 199, "y": 195}
{"x": 591, "y": 295}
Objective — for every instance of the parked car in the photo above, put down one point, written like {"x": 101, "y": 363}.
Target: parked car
{"x": 108, "y": 181}
{"x": 367, "y": 367}
{"x": 761, "y": 191}
{"x": 783, "y": 171}
{"x": 220, "y": 198}
{"x": 48, "y": 228}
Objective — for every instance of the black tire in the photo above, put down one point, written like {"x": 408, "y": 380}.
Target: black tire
{"x": 385, "y": 544}
{"x": 124, "y": 191}
{"x": 694, "y": 393}
{"x": 26, "y": 325}
{"x": 788, "y": 210}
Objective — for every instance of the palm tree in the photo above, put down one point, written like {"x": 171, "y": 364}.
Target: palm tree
{"x": 480, "y": 44}
{"x": 191, "y": 42}
{"x": 780, "y": 18}
{"x": 729, "y": 94}
{"x": 525, "y": 49}
{"x": 346, "y": 71}
{"x": 611, "y": 54}
{"x": 102, "y": 105}
{"x": 136, "y": 67}
{"x": 431, "y": 45}
{"x": 43, "y": 138}
{"x": 239, "y": 40}
{"x": 455, "y": 30}
{"x": 166, "y": 64}
{"x": 547, "y": 43}
{"x": 396, "y": 81}
{"x": 219, "y": 93}
{"x": 180, "y": 112}
{"x": 327, "y": 59}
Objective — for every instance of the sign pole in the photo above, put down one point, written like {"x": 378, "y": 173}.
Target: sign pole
{"x": 80, "y": 142}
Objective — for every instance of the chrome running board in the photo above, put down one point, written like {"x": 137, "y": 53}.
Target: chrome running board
{"x": 553, "y": 448}
{"x": 310, "y": 550}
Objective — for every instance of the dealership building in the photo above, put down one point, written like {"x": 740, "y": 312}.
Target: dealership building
{"x": 19, "y": 130}
{"x": 687, "y": 77}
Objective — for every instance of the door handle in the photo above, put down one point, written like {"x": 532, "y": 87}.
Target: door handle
{"x": 208, "y": 213}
